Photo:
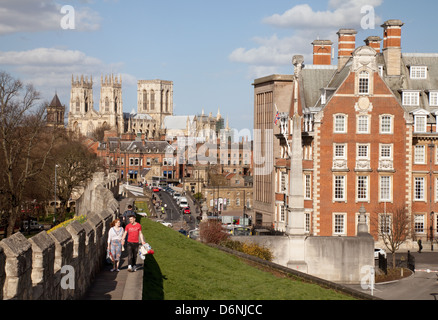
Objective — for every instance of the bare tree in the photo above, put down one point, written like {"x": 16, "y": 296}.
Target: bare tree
{"x": 25, "y": 143}
{"x": 393, "y": 225}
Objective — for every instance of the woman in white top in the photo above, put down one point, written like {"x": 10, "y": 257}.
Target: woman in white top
{"x": 115, "y": 243}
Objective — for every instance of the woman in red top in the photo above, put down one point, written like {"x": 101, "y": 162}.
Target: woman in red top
{"x": 133, "y": 230}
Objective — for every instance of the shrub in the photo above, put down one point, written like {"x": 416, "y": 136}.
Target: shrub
{"x": 250, "y": 249}
{"x": 211, "y": 231}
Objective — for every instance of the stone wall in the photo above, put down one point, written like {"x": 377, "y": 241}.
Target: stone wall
{"x": 62, "y": 264}
{"x": 336, "y": 259}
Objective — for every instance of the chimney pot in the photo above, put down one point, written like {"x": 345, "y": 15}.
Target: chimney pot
{"x": 346, "y": 46}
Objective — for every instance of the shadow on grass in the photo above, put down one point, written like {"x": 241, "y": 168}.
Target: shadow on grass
{"x": 152, "y": 280}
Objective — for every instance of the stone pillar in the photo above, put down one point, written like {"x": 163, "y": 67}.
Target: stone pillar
{"x": 43, "y": 260}
{"x": 18, "y": 268}
{"x": 77, "y": 232}
{"x": 63, "y": 257}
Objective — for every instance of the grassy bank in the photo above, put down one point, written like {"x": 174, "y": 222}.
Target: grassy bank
{"x": 184, "y": 269}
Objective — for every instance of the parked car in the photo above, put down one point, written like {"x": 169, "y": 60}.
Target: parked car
{"x": 34, "y": 225}
{"x": 186, "y": 210}
{"x": 378, "y": 251}
{"x": 183, "y": 232}
{"x": 156, "y": 189}
{"x": 176, "y": 195}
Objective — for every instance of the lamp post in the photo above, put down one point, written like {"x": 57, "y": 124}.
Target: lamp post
{"x": 431, "y": 230}
{"x": 54, "y": 206}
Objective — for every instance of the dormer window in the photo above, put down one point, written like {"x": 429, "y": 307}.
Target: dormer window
{"x": 420, "y": 121}
{"x": 411, "y": 98}
{"x": 433, "y": 99}
{"x": 418, "y": 72}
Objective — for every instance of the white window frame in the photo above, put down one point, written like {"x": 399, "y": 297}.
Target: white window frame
{"x": 420, "y": 124}
{"x": 340, "y": 146}
{"x": 381, "y": 150}
{"x": 385, "y": 189}
{"x": 307, "y": 187}
{"x": 385, "y": 223}
{"x": 411, "y": 98}
{"x": 342, "y": 188}
{"x": 433, "y": 98}
{"x": 339, "y": 224}
{"x": 364, "y": 83}
{"x": 419, "y": 193}
{"x": 359, "y": 149}
{"x": 361, "y": 123}
{"x": 366, "y": 187}
{"x": 419, "y": 224}
{"x": 383, "y": 125}
{"x": 418, "y": 72}
{"x": 420, "y": 154}
{"x": 336, "y": 128}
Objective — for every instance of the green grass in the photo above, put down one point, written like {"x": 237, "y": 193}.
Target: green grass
{"x": 184, "y": 269}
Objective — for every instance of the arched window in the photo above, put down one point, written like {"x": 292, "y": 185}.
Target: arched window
{"x": 152, "y": 100}
{"x": 78, "y": 105}
{"x": 106, "y": 104}
{"x": 145, "y": 101}
{"x": 116, "y": 102}
{"x": 364, "y": 82}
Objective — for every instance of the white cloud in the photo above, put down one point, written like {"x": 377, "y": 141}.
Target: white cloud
{"x": 51, "y": 69}
{"x": 274, "y": 53}
{"x": 34, "y": 16}
{"x": 340, "y": 14}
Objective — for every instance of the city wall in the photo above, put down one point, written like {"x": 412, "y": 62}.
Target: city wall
{"x": 62, "y": 264}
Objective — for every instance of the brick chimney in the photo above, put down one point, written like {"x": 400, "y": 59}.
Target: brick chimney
{"x": 392, "y": 46}
{"x": 374, "y": 42}
{"x": 346, "y": 46}
{"x": 322, "y": 52}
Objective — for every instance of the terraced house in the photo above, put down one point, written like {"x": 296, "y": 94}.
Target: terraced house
{"x": 369, "y": 135}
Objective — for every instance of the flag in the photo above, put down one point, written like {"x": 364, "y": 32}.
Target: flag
{"x": 277, "y": 117}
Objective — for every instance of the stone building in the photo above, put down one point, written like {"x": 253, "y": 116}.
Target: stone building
{"x": 83, "y": 118}
{"x": 55, "y": 113}
{"x": 369, "y": 131}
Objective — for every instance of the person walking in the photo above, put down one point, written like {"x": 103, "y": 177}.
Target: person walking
{"x": 115, "y": 243}
{"x": 126, "y": 214}
{"x": 134, "y": 237}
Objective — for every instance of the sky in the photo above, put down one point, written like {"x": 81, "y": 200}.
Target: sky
{"x": 211, "y": 50}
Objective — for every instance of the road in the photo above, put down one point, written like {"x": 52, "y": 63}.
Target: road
{"x": 423, "y": 285}
{"x": 173, "y": 213}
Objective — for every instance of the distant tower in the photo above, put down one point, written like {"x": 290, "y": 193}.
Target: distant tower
{"x": 111, "y": 104}
{"x": 155, "y": 98}
{"x": 55, "y": 113}
{"x": 81, "y": 101}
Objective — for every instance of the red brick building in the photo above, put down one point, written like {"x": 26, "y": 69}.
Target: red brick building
{"x": 369, "y": 132}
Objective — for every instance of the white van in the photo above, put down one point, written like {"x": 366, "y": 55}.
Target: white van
{"x": 183, "y": 203}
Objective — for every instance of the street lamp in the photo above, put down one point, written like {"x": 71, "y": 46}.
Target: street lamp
{"x": 54, "y": 206}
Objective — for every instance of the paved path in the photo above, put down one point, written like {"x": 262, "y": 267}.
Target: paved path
{"x": 122, "y": 285}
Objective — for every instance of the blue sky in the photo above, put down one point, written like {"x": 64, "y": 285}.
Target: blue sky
{"x": 211, "y": 50}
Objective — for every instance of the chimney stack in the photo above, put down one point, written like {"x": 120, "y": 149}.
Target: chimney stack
{"x": 322, "y": 52}
{"x": 346, "y": 46}
{"x": 392, "y": 46}
{"x": 374, "y": 42}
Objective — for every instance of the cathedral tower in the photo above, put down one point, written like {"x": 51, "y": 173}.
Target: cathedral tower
{"x": 111, "y": 104}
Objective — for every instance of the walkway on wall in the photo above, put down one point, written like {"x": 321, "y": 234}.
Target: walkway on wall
{"x": 122, "y": 285}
